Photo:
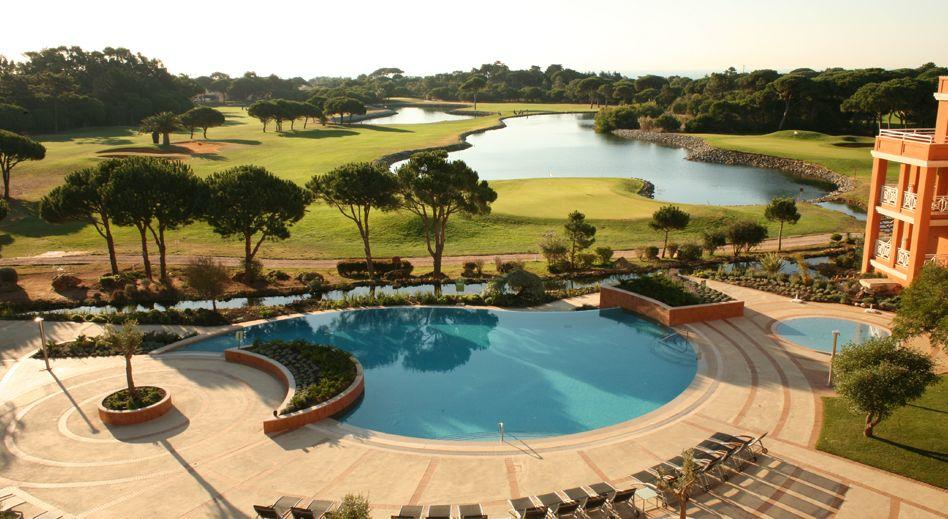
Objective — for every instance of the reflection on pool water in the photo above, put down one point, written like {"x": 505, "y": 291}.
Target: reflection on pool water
{"x": 417, "y": 115}
{"x": 817, "y": 332}
{"x": 454, "y": 373}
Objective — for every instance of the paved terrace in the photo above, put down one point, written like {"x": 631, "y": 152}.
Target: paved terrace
{"x": 209, "y": 458}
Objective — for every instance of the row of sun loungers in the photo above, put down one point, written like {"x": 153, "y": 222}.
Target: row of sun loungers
{"x": 715, "y": 457}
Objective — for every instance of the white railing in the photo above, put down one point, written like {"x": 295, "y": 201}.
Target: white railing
{"x": 883, "y": 249}
{"x": 910, "y": 134}
{"x": 940, "y": 204}
{"x": 902, "y": 257}
{"x": 940, "y": 259}
{"x": 889, "y": 195}
{"x": 909, "y": 200}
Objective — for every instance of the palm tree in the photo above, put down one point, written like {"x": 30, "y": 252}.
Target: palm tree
{"x": 163, "y": 123}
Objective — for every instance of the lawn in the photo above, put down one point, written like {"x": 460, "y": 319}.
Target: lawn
{"x": 846, "y": 155}
{"x": 912, "y": 442}
{"x": 523, "y": 211}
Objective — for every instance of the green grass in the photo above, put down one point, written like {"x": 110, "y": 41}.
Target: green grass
{"x": 912, "y": 442}
{"x": 846, "y": 155}
{"x": 523, "y": 211}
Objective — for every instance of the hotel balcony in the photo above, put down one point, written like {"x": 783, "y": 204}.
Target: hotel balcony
{"x": 889, "y": 198}
{"x": 916, "y": 143}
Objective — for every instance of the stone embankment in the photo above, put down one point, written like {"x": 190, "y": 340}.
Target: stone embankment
{"x": 700, "y": 150}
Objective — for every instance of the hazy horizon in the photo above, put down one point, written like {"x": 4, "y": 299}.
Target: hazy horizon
{"x": 425, "y": 37}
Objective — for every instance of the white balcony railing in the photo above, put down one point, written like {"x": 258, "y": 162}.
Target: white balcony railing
{"x": 909, "y": 200}
{"x": 940, "y": 204}
{"x": 889, "y": 195}
{"x": 940, "y": 259}
{"x": 883, "y": 249}
{"x": 902, "y": 257}
{"x": 910, "y": 134}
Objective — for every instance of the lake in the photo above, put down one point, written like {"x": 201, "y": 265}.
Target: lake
{"x": 416, "y": 115}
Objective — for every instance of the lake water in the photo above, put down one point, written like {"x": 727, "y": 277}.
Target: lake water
{"x": 416, "y": 115}
{"x": 565, "y": 145}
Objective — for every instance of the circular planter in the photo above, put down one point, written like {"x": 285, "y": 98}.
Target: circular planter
{"x": 135, "y": 416}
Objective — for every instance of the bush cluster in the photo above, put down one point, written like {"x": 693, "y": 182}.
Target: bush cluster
{"x": 358, "y": 269}
{"x": 84, "y": 346}
{"x": 144, "y": 397}
{"x": 673, "y": 292}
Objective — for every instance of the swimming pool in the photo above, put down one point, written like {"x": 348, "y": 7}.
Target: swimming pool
{"x": 454, "y": 373}
{"x": 817, "y": 332}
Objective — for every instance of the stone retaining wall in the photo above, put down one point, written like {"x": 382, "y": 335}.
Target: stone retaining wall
{"x": 321, "y": 411}
{"x": 698, "y": 149}
{"x": 612, "y": 297}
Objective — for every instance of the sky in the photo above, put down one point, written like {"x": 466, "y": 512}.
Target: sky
{"x": 318, "y": 38}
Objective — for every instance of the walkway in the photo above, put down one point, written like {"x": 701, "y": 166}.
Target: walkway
{"x": 208, "y": 458}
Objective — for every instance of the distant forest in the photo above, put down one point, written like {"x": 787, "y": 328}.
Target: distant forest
{"x": 65, "y": 88}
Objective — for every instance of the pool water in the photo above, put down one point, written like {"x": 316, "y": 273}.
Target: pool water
{"x": 454, "y": 373}
{"x": 817, "y": 332}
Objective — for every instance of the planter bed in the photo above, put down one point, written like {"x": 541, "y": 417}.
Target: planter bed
{"x": 157, "y": 403}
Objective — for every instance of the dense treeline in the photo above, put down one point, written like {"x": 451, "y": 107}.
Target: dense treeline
{"x": 61, "y": 88}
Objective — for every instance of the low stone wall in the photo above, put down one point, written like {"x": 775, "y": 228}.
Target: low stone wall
{"x": 612, "y": 297}
{"x": 321, "y": 411}
{"x": 698, "y": 149}
{"x": 136, "y": 416}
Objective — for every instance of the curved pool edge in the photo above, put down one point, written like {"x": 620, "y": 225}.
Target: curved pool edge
{"x": 702, "y": 387}
{"x": 785, "y": 342}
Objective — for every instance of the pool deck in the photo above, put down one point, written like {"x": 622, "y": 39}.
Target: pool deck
{"x": 209, "y": 458}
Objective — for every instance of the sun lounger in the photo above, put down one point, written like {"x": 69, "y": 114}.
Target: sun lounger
{"x": 602, "y": 488}
{"x": 623, "y": 504}
{"x": 595, "y": 508}
{"x": 577, "y": 494}
{"x": 471, "y": 511}
{"x": 525, "y": 508}
{"x": 316, "y": 509}
{"x": 277, "y": 510}
{"x": 438, "y": 512}
{"x": 409, "y": 512}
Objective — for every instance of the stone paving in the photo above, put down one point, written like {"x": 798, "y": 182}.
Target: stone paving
{"x": 209, "y": 457}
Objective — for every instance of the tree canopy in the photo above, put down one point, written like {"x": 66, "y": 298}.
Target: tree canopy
{"x": 164, "y": 123}
{"x": 14, "y": 149}
{"x": 255, "y": 205}
{"x": 434, "y": 188}
{"x": 924, "y": 306}
{"x": 745, "y": 235}
{"x": 580, "y": 234}
{"x": 669, "y": 218}
{"x": 783, "y": 210}
{"x": 202, "y": 117}
{"x": 877, "y": 377}
{"x": 355, "y": 189}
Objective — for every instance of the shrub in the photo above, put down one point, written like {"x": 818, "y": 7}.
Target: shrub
{"x": 249, "y": 275}
{"x": 553, "y": 247}
{"x": 836, "y": 238}
{"x": 63, "y": 282}
{"x": 689, "y": 252}
{"x": 314, "y": 281}
{"x": 321, "y": 372}
{"x": 505, "y": 267}
{"x": 771, "y": 263}
{"x": 604, "y": 255}
{"x": 525, "y": 286}
{"x": 144, "y": 397}
{"x": 617, "y": 118}
{"x": 651, "y": 252}
{"x": 584, "y": 260}
{"x": 352, "y": 507}
{"x": 473, "y": 269}
{"x": 672, "y": 292}
{"x": 207, "y": 278}
{"x": 668, "y": 123}
{"x": 8, "y": 276}
{"x": 672, "y": 250}
{"x": 110, "y": 282}
{"x": 354, "y": 269}
{"x": 277, "y": 275}
{"x": 712, "y": 240}
{"x": 745, "y": 235}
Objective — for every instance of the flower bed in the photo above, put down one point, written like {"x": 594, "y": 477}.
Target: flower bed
{"x": 117, "y": 409}
{"x": 321, "y": 372}
{"x": 84, "y": 346}
{"x": 673, "y": 291}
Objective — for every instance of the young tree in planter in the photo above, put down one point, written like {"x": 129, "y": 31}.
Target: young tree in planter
{"x": 207, "y": 278}
{"x": 249, "y": 201}
{"x": 580, "y": 234}
{"x": 164, "y": 123}
{"x": 783, "y": 210}
{"x": 668, "y": 218}
{"x": 877, "y": 377}
{"x": 434, "y": 189}
{"x": 202, "y": 117}
{"x": 923, "y": 308}
{"x": 355, "y": 189}
{"x": 156, "y": 195}
{"x": 682, "y": 483}
{"x": 127, "y": 340}
{"x": 14, "y": 149}
{"x": 84, "y": 197}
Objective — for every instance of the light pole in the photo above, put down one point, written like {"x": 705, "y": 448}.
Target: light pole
{"x": 829, "y": 381}
{"x": 42, "y": 329}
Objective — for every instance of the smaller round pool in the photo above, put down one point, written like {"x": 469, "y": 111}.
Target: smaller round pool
{"x": 817, "y": 332}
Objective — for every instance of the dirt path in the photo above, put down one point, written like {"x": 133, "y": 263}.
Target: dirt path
{"x": 80, "y": 258}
